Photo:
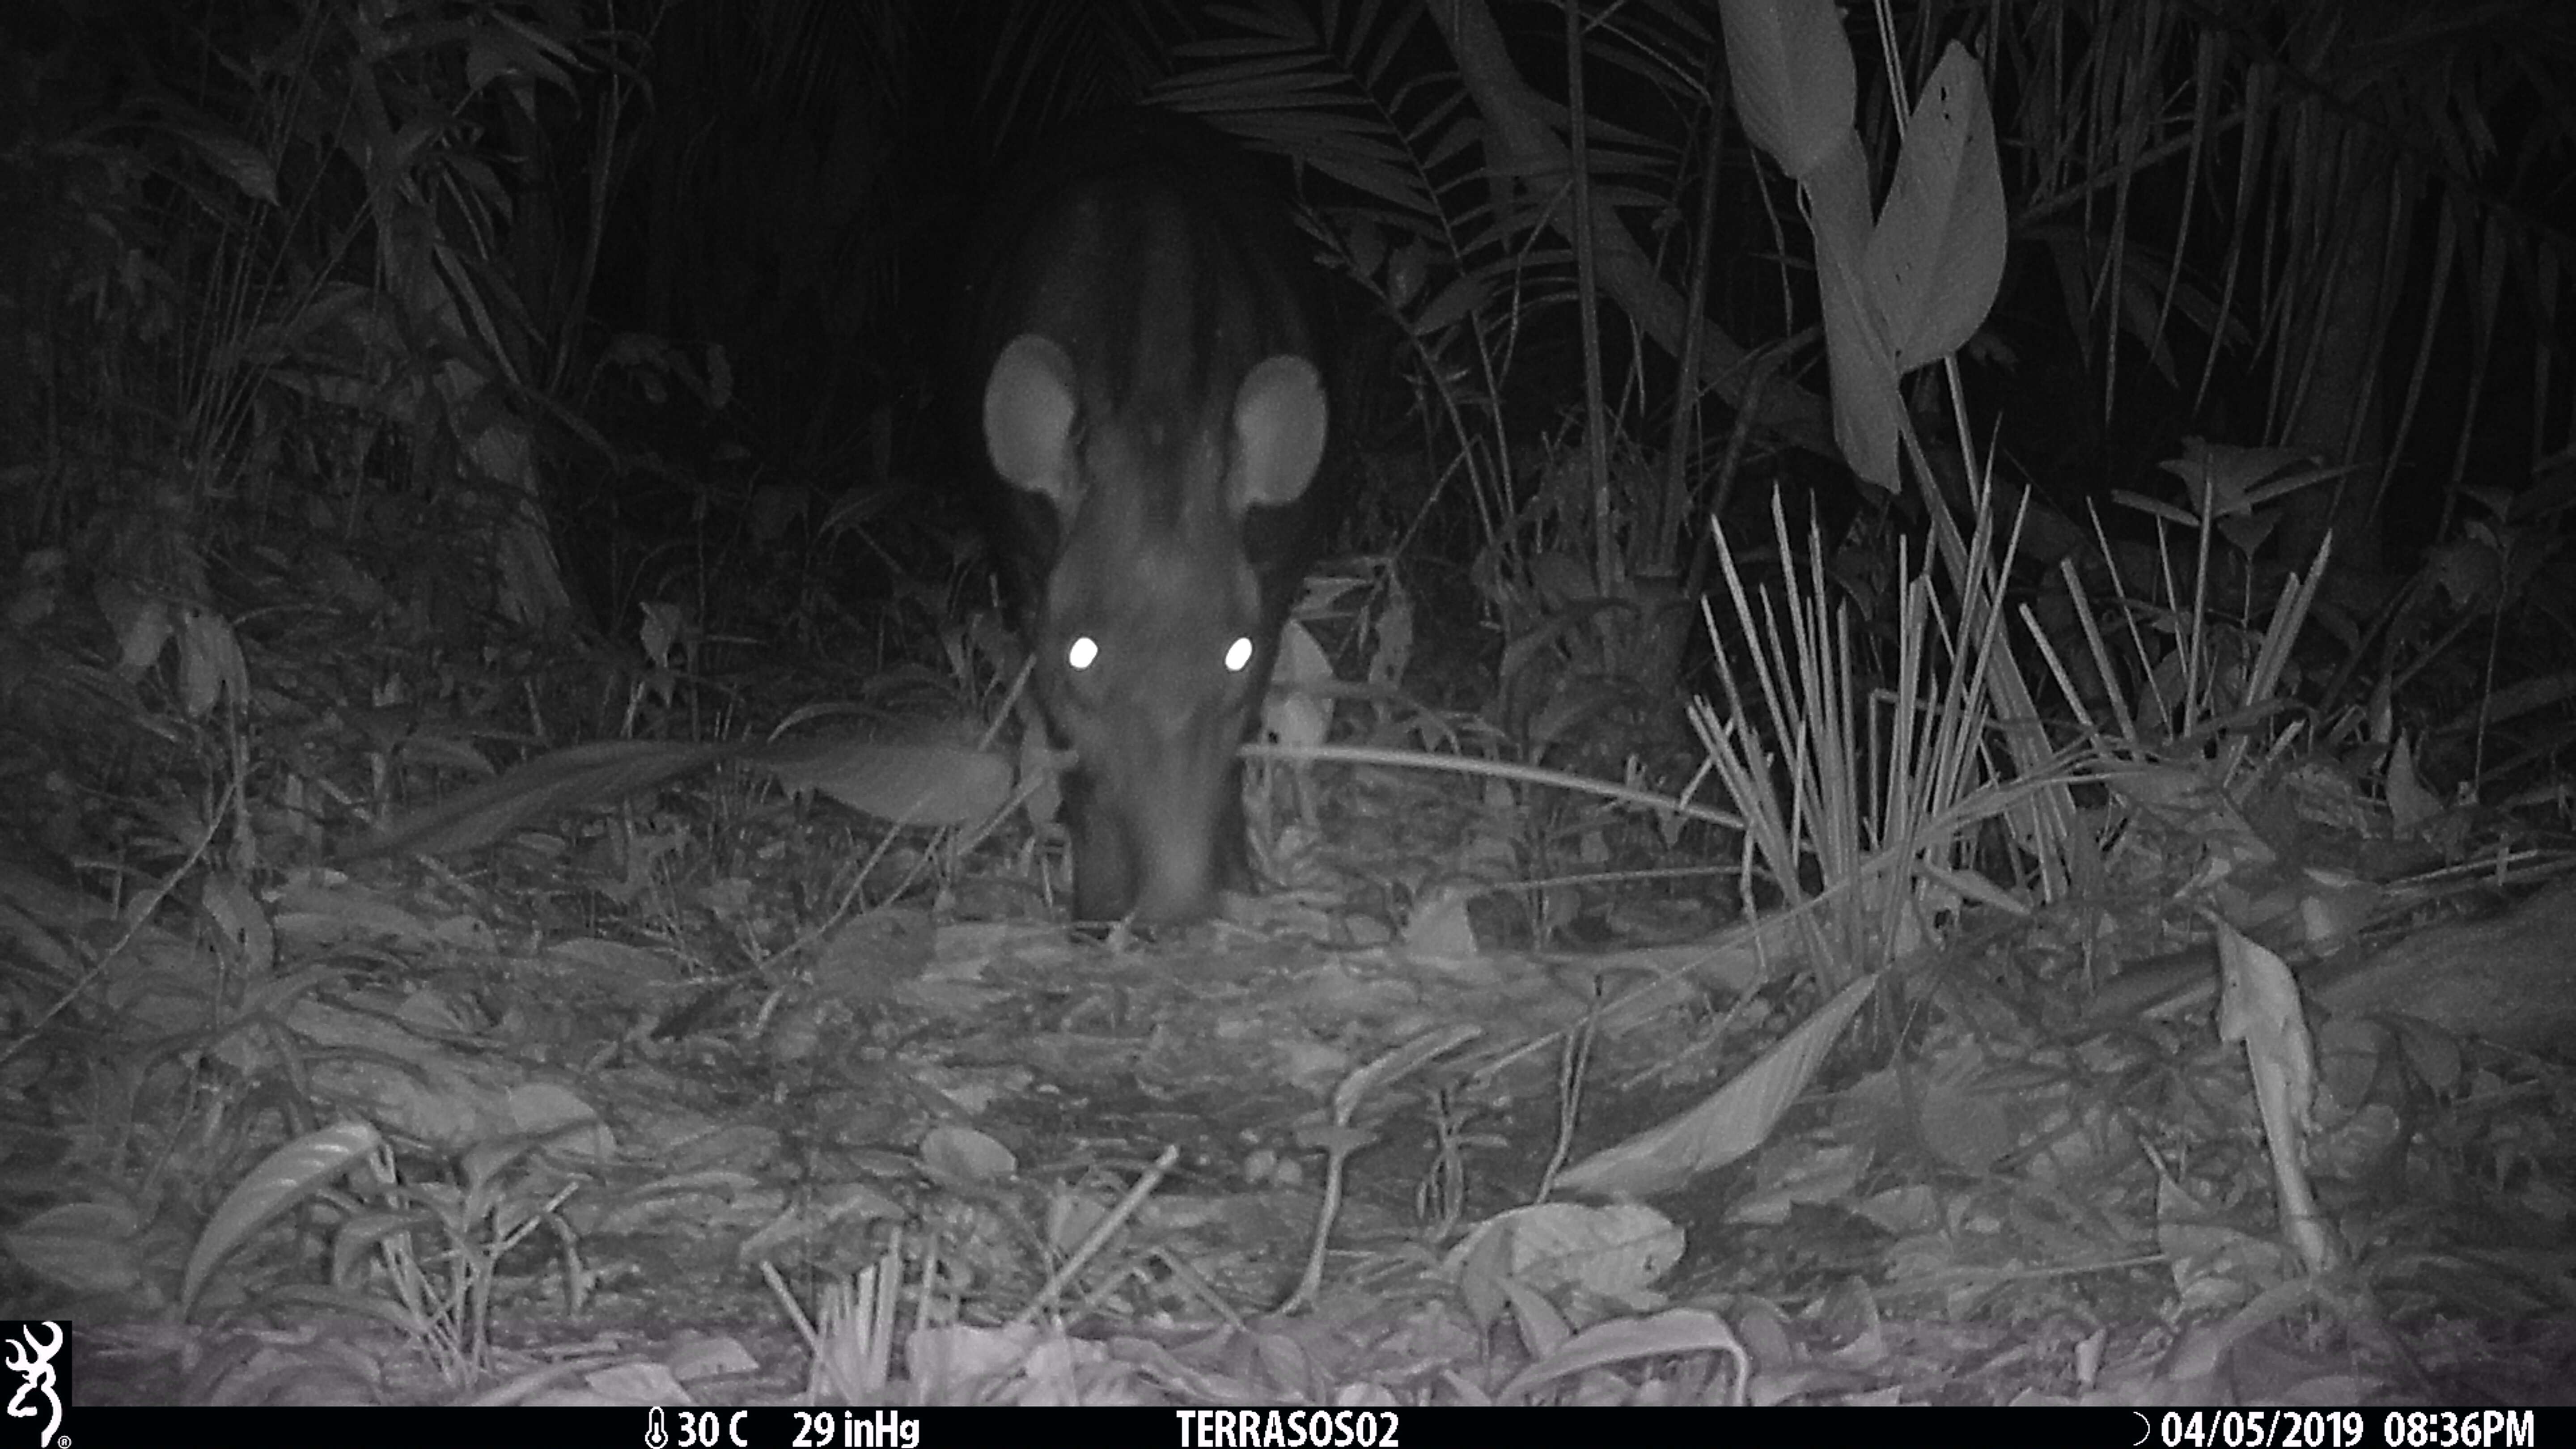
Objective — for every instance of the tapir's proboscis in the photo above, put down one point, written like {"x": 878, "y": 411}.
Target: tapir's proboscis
{"x": 1146, "y": 347}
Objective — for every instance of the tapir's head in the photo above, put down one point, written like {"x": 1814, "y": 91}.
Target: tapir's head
{"x": 1154, "y": 630}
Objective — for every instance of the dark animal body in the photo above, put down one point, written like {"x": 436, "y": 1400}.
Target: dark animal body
{"x": 1144, "y": 355}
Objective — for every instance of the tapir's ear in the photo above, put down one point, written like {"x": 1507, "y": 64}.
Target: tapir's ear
{"x": 1278, "y": 432}
{"x": 1028, "y": 417}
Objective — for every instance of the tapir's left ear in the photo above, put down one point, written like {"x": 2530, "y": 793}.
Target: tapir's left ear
{"x": 1278, "y": 433}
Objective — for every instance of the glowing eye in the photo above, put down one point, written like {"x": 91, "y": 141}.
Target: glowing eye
{"x": 1238, "y": 655}
{"x": 1082, "y": 652}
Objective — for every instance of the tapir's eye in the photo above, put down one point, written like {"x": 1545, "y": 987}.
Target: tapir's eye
{"x": 1238, "y": 655}
{"x": 1082, "y": 651}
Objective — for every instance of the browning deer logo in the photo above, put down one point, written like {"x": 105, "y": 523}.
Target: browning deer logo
{"x": 33, "y": 1362}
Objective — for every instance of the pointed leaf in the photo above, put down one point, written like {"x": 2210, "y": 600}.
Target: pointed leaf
{"x": 1792, "y": 72}
{"x": 906, "y": 784}
{"x": 1937, "y": 254}
{"x": 596, "y": 773}
{"x": 286, "y": 1177}
{"x": 1867, "y": 411}
{"x": 239, "y": 162}
{"x": 1732, "y": 1122}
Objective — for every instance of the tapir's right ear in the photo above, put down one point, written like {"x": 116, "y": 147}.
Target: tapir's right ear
{"x": 1028, "y": 418}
